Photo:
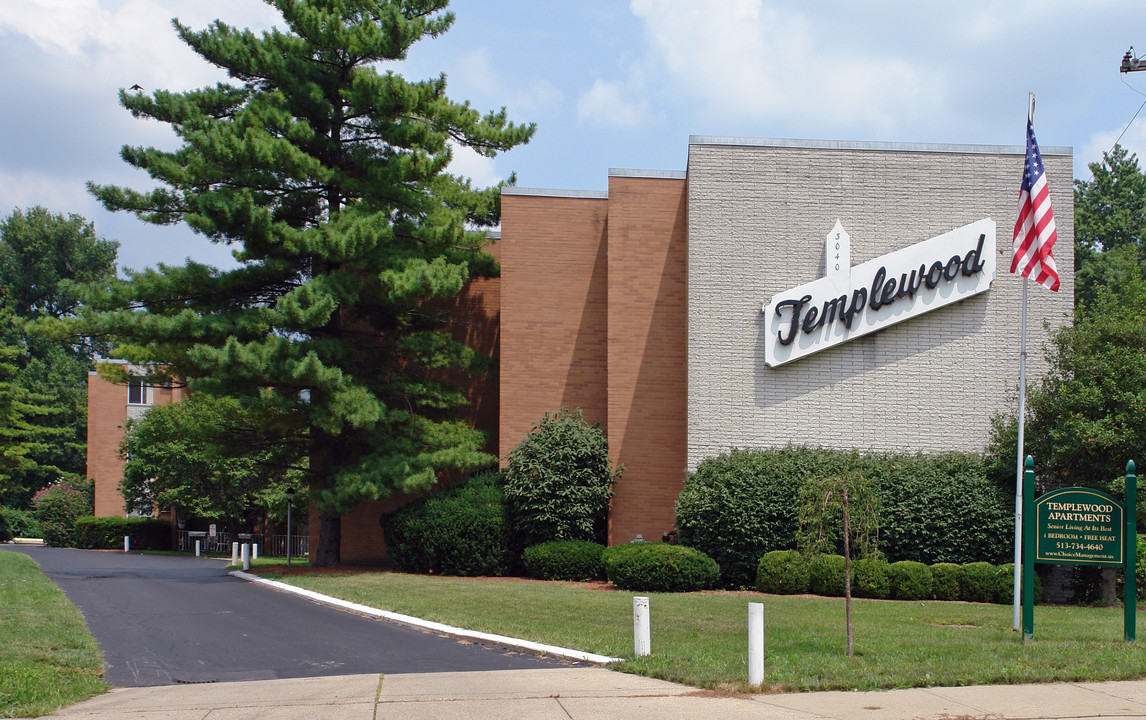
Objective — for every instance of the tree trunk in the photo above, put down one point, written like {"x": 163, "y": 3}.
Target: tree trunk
{"x": 847, "y": 570}
{"x": 329, "y": 550}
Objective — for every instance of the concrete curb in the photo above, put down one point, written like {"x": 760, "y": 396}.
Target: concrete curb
{"x": 434, "y": 627}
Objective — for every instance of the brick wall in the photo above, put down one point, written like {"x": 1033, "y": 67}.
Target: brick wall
{"x": 758, "y": 217}
{"x": 107, "y": 414}
{"x": 647, "y": 374}
{"x": 554, "y": 309}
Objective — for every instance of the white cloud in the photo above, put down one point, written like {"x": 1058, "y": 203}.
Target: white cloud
{"x": 611, "y": 104}
{"x": 1134, "y": 140}
{"x": 468, "y": 163}
{"x": 522, "y": 98}
{"x": 756, "y": 62}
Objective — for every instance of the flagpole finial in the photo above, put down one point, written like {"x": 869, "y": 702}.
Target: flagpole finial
{"x": 1030, "y": 106}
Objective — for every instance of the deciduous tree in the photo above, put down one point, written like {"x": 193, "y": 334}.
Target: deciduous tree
{"x": 1109, "y": 224}
{"x": 326, "y": 171}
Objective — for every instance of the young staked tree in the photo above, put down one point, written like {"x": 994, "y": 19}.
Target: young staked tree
{"x": 327, "y": 174}
{"x": 842, "y": 508}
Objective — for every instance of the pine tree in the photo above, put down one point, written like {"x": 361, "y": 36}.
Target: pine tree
{"x": 327, "y": 175}
{"x": 25, "y": 429}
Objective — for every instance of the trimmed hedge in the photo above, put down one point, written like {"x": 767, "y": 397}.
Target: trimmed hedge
{"x": 462, "y": 530}
{"x": 1005, "y": 585}
{"x": 660, "y": 567}
{"x": 946, "y": 581}
{"x": 826, "y": 575}
{"x": 934, "y": 508}
{"x": 977, "y": 583}
{"x": 783, "y": 572}
{"x": 871, "y": 578}
{"x": 106, "y": 533}
{"x": 565, "y": 560}
{"x": 910, "y": 580}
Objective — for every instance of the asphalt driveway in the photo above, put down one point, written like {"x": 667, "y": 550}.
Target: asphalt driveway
{"x": 163, "y": 620}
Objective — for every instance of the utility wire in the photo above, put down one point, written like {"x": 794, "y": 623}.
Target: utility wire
{"x": 1135, "y": 112}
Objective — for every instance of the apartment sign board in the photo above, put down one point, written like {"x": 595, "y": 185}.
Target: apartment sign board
{"x": 850, "y": 302}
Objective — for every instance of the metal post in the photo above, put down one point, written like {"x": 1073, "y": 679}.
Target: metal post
{"x": 642, "y": 645}
{"x": 246, "y": 553}
{"x": 234, "y": 553}
{"x": 254, "y": 551}
{"x": 1130, "y": 600}
{"x": 127, "y": 543}
{"x": 1029, "y": 555}
{"x": 290, "y": 504}
{"x": 196, "y": 547}
{"x": 755, "y": 643}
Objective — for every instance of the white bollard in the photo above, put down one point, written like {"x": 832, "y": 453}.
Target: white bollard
{"x": 127, "y": 543}
{"x": 255, "y": 551}
{"x": 642, "y": 645}
{"x": 246, "y": 551}
{"x": 234, "y": 553}
{"x": 755, "y": 643}
{"x": 196, "y": 548}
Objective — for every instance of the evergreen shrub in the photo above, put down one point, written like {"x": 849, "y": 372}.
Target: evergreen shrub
{"x": 946, "y": 581}
{"x": 462, "y": 530}
{"x": 910, "y": 580}
{"x": 934, "y": 508}
{"x": 5, "y": 536}
{"x": 565, "y": 560}
{"x": 783, "y": 572}
{"x": 20, "y": 523}
{"x": 559, "y": 480}
{"x": 826, "y": 575}
{"x": 871, "y": 578}
{"x": 977, "y": 582}
{"x": 106, "y": 533}
{"x": 660, "y": 567}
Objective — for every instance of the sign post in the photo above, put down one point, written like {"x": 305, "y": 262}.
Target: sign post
{"x": 1079, "y": 526}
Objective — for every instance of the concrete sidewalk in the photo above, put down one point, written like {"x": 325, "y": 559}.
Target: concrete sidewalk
{"x": 589, "y": 694}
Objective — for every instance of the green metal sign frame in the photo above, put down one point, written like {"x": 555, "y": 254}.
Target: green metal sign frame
{"x": 1079, "y": 526}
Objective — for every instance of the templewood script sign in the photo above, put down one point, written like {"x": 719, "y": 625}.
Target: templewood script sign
{"x": 849, "y": 302}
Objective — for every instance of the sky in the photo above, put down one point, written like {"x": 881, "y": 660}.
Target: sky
{"x": 609, "y": 83}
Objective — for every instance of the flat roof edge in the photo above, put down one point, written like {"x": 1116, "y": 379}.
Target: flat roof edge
{"x": 654, "y": 174}
{"x": 875, "y": 145}
{"x": 547, "y": 192}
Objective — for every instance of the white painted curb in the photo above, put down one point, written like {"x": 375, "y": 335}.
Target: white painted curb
{"x": 441, "y": 629}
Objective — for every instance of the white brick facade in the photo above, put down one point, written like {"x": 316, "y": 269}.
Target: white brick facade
{"x": 758, "y": 214}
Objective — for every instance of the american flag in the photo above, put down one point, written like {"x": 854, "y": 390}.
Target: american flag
{"x": 1035, "y": 233}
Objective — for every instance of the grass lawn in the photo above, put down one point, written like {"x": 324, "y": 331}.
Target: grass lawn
{"x": 48, "y": 658}
{"x": 701, "y": 638}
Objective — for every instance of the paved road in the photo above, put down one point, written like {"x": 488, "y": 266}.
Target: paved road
{"x": 163, "y": 620}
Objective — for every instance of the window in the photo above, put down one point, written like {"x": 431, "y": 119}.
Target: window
{"x": 138, "y": 393}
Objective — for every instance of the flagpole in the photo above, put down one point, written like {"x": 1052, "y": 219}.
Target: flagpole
{"x": 1022, "y": 420}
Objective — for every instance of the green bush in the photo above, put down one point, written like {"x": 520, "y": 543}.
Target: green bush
{"x": 106, "y": 533}
{"x": 559, "y": 480}
{"x": 5, "y": 536}
{"x": 783, "y": 572}
{"x": 20, "y": 523}
{"x": 977, "y": 583}
{"x": 660, "y": 567}
{"x": 57, "y": 507}
{"x": 826, "y": 575}
{"x": 871, "y": 578}
{"x": 462, "y": 530}
{"x": 1005, "y": 585}
{"x": 946, "y": 581}
{"x": 934, "y": 508}
{"x": 910, "y": 580}
{"x": 565, "y": 560}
